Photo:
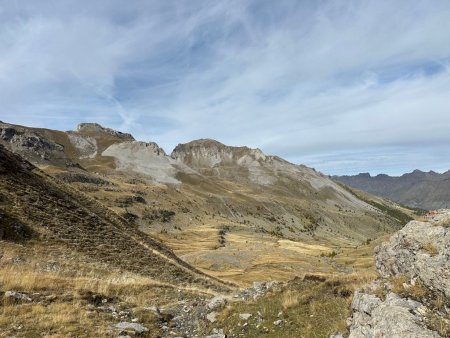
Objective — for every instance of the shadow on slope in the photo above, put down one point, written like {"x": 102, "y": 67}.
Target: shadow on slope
{"x": 58, "y": 213}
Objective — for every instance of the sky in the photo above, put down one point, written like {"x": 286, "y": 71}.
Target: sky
{"x": 342, "y": 86}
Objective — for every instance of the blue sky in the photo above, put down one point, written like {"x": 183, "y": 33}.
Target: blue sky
{"x": 342, "y": 86}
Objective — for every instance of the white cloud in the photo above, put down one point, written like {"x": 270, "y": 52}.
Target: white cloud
{"x": 304, "y": 80}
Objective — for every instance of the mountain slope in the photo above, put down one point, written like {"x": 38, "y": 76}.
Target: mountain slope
{"x": 295, "y": 193}
{"x": 57, "y": 213}
{"x": 418, "y": 189}
{"x": 233, "y": 212}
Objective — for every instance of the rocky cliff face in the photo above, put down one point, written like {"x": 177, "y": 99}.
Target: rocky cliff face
{"x": 96, "y": 129}
{"x": 412, "y": 297}
{"x": 30, "y": 144}
{"x": 210, "y": 153}
{"x": 66, "y": 149}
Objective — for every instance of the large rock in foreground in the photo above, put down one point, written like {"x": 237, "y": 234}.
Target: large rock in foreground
{"x": 420, "y": 250}
{"x": 412, "y": 298}
{"x": 393, "y": 317}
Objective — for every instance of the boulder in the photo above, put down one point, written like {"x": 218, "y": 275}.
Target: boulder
{"x": 216, "y": 302}
{"x": 420, "y": 252}
{"x": 211, "y": 317}
{"x": 217, "y": 333}
{"x": 394, "y": 317}
{"x": 244, "y": 316}
{"x": 136, "y": 327}
{"x": 17, "y": 295}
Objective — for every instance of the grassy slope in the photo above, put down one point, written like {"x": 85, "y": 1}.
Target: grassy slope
{"x": 60, "y": 214}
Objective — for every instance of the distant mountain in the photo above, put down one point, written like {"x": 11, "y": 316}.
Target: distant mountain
{"x": 418, "y": 189}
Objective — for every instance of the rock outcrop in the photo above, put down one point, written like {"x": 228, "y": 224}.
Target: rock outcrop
{"x": 419, "y": 250}
{"x": 393, "y": 317}
{"x": 95, "y": 128}
{"x": 28, "y": 143}
{"x": 210, "y": 153}
{"x": 412, "y": 297}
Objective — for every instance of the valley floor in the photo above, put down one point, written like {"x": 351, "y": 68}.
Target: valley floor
{"x": 71, "y": 295}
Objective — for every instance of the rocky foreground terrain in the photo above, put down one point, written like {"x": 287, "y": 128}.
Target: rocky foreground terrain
{"x": 418, "y": 189}
{"x": 412, "y": 297}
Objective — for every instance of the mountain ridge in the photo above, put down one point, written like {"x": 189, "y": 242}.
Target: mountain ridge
{"x": 417, "y": 189}
{"x": 207, "y": 201}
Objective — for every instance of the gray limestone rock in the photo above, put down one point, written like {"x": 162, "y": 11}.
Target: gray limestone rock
{"x": 421, "y": 252}
{"x": 136, "y": 327}
{"x": 17, "y": 295}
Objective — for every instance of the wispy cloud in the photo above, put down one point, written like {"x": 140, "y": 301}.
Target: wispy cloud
{"x": 345, "y": 86}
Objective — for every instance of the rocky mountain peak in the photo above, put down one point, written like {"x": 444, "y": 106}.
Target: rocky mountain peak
{"x": 93, "y": 128}
{"x": 209, "y": 153}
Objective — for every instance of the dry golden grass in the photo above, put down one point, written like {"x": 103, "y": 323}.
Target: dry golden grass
{"x": 249, "y": 257}
{"x": 61, "y": 306}
{"x": 63, "y": 301}
{"x": 58, "y": 319}
{"x": 430, "y": 248}
{"x": 290, "y": 299}
{"x": 401, "y": 286}
{"x": 440, "y": 324}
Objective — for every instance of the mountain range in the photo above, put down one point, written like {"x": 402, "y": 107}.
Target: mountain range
{"x": 418, "y": 189}
{"x": 92, "y": 217}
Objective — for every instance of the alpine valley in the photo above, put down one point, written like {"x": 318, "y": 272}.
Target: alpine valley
{"x": 105, "y": 236}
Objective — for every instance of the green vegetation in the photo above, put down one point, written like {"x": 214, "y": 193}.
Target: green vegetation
{"x": 419, "y": 212}
{"x": 277, "y": 232}
{"x": 399, "y": 215}
{"x": 331, "y": 254}
{"x": 395, "y": 213}
{"x": 416, "y": 211}
{"x": 162, "y": 215}
{"x": 130, "y": 217}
